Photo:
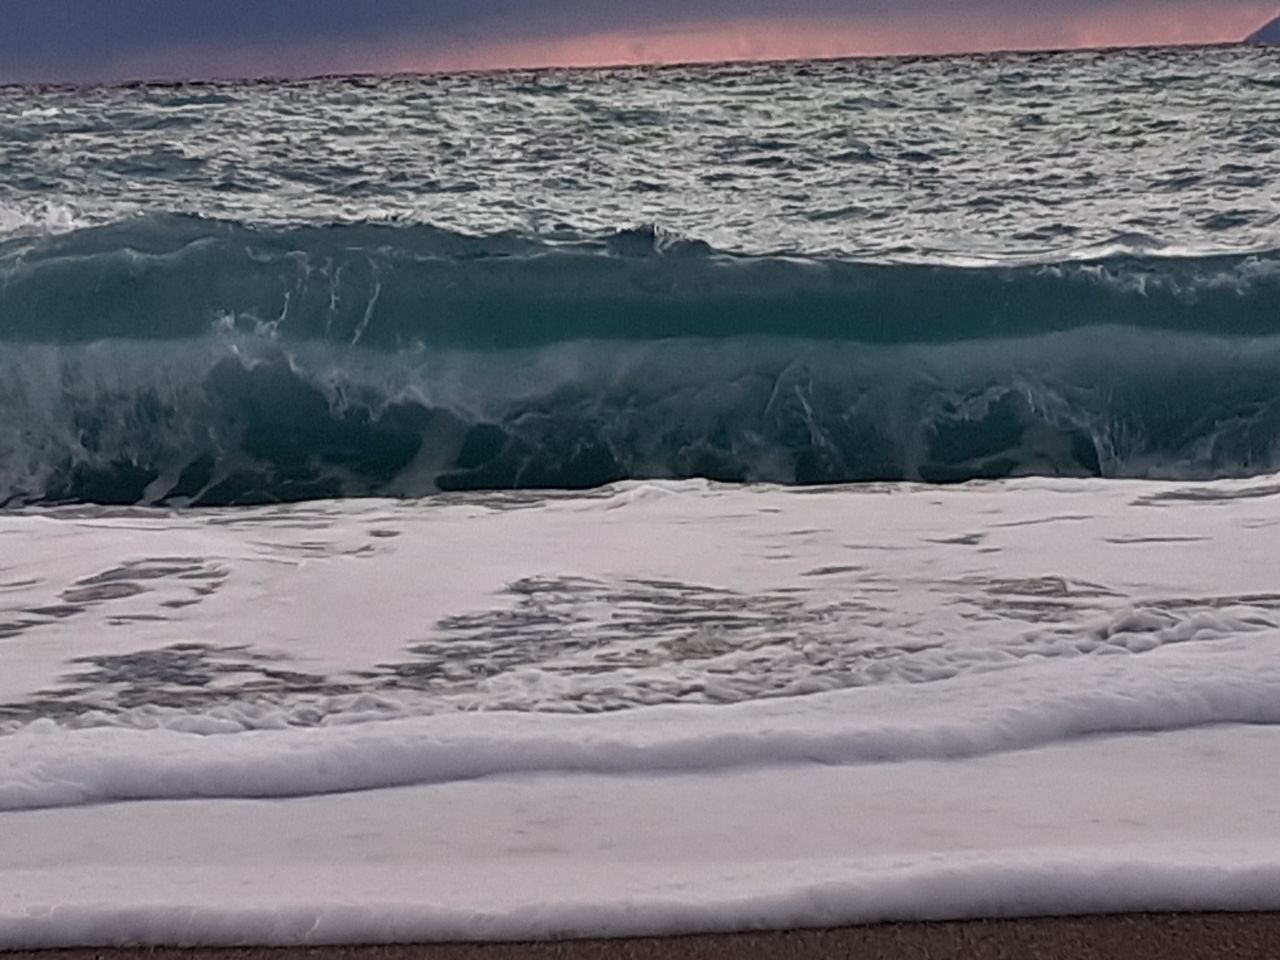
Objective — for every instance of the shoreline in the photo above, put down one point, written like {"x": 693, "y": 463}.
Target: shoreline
{"x": 1141, "y": 936}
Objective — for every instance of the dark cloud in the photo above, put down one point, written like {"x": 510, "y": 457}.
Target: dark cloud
{"x": 74, "y": 40}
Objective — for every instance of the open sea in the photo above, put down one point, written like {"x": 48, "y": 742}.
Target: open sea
{"x": 639, "y": 500}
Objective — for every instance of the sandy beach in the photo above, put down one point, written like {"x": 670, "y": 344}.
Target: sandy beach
{"x": 1241, "y": 936}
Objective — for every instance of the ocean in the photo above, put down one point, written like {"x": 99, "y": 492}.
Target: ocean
{"x": 639, "y": 500}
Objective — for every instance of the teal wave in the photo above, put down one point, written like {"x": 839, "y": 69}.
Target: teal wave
{"x": 186, "y": 361}
{"x": 392, "y": 286}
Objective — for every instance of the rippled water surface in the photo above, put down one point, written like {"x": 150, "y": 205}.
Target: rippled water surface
{"x": 1024, "y": 156}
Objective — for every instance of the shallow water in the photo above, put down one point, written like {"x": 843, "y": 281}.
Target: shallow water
{"x": 657, "y": 707}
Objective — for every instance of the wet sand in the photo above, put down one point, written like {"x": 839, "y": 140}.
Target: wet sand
{"x": 1240, "y": 936}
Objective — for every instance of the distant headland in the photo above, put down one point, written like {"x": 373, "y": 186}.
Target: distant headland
{"x": 1270, "y": 33}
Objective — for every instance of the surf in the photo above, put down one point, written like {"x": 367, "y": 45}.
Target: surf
{"x": 187, "y": 361}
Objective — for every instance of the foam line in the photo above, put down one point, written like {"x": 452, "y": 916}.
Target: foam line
{"x": 971, "y": 716}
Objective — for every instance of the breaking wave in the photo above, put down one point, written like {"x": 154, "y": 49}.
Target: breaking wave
{"x": 190, "y": 361}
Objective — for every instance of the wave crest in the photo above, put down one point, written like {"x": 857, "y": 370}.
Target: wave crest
{"x": 392, "y": 286}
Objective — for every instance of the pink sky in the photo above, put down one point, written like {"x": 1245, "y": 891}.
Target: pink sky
{"x": 1146, "y": 22}
{"x": 1151, "y": 23}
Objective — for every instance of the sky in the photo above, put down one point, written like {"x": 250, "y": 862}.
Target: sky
{"x": 76, "y": 41}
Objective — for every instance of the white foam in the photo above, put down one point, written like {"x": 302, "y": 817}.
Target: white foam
{"x": 267, "y": 725}
{"x": 1087, "y": 827}
{"x": 650, "y": 594}
{"x": 968, "y": 717}
{"x": 38, "y": 218}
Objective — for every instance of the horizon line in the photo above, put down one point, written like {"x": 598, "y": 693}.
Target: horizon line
{"x": 269, "y": 78}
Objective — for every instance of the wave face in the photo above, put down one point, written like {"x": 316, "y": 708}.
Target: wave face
{"x": 175, "y": 359}
{"x": 395, "y": 287}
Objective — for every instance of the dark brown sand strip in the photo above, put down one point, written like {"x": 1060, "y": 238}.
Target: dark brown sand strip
{"x": 1239, "y": 936}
